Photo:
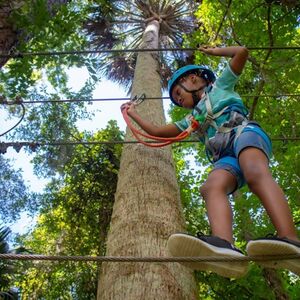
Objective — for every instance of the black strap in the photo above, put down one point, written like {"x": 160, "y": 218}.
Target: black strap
{"x": 196, "y": 99}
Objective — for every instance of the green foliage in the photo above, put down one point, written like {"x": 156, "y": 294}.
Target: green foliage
{"x": 7, "y": 268}
{"x": 74, "y": 218}
{"x": 50, "y": 122}
{"x": 121, "y": 24}
{"x": 252, "y": 23}
{"x": 76, "y": 207}
{"x": 14, "y": 195}
{"x": 39, "y": 30}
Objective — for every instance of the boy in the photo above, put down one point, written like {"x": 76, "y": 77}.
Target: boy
{"x": 240, "y": 151}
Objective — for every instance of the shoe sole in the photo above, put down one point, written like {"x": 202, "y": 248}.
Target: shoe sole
{"x": 269, "y": 247}
{"x": 181, "y": 245}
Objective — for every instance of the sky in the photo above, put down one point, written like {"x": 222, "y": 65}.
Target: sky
{"x": 104, "y": 111}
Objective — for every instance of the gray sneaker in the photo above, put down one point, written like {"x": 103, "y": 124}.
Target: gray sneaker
{"x": 184, "y": 245}
{"x": 272, "y": 245}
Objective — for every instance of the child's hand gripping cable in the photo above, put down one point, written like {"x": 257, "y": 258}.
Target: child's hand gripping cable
{"x": 157, "y": 141}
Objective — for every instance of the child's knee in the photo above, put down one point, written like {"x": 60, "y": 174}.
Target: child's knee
{"x": 255, "y": 176}
{"x": 211, "y": 186}
{"x": 204, "y": 190}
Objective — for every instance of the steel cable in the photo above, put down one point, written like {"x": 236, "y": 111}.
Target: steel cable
{"x": 147, "y": 259}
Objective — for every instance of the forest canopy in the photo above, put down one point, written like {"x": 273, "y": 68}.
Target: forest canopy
{"x": 74, "y": 210}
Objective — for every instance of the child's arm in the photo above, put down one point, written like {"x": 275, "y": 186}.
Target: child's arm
{"x": 170, "y": 130}
{"x": 238, "y": 54}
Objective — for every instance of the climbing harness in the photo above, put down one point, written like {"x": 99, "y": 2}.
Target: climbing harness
{"x": 158, "y": 141}
{"x": 236, "y": 125}
{"x": 198, "y": 126}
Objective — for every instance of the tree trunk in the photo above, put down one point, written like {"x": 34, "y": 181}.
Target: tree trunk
{"x": 8, "y": 34}
{"x": 275, "y": 283}
{"x": 8, "y": 37}
{"x": 147, "y": 205}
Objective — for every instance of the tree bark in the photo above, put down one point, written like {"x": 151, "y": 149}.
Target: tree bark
{"x": 8, "y": 34}
{"x": 8, "y": 37}
{"x": 147, "y": 205}
{"x": 275, "y": 283}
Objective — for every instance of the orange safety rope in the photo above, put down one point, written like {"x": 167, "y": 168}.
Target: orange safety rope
{"x": 161, "y": 141}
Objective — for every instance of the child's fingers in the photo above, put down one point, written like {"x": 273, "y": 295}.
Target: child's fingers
{"x": 207, "y": 49}
{"x": 127, "y": 105}
{"x": 204, "y": 48}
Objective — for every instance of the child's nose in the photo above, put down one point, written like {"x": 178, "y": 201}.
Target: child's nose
{"x": 180, "y": 100}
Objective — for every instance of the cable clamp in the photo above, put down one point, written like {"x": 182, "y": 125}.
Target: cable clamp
{"x": 33, "y": 146}
{"x": 14, "y": 53}
{"x": 17, "y": 147}
{"x": 3, "y": 100}
{"x": 138, "y": 99}
{"x": 3, "y": 147}
{"x": 18, "y": 100}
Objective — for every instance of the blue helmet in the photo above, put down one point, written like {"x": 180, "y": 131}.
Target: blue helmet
{"x": 202, "y": 71}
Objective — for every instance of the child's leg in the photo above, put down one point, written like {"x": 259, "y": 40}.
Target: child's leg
{"x": 220, "y": 182}
{"x": 254, "y": 165}
{"x": 214, "y": 191}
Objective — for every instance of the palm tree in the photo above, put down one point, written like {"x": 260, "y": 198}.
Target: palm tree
{"x": 147, "y": 205}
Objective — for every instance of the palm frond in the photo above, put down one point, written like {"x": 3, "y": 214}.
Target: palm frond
{"x": 110, "y": 30}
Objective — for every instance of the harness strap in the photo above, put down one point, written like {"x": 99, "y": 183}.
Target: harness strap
{"x": 210, "y": 121}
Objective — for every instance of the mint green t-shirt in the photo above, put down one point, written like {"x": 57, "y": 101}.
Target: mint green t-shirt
{"x": 221, "y": 95}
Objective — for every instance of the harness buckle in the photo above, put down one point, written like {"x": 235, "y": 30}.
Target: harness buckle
{"x": 138, "y": 99}
{"x": 209, "y": 118}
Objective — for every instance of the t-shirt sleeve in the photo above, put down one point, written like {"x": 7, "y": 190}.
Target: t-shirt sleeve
{"x": 227, "y": 80}
{"x": 184, "y": 123}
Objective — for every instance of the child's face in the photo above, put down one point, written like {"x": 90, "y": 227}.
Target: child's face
{"x": 191, "y": 82}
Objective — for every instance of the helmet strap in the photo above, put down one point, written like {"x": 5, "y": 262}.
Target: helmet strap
{"x": 195, "y": 97}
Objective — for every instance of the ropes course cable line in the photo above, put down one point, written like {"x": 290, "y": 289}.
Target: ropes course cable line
{"x": 127, "y": 99}
{"x": 146, "y": 259}
{"x": 17, "y": 54}
{"x": 20, "y": 120}
{"x": 34, "y": 145}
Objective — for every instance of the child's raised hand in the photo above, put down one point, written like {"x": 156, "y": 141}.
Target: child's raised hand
{"x": 129, "y": 106}
{"x": 208, "y": 50}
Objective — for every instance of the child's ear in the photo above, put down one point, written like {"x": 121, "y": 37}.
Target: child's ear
{"x": 182, "y": 79}
{"x": 193, "y": 78}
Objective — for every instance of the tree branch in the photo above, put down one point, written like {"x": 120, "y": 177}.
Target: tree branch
{"x": 222, "y": 21}
{"x": 262, "y": 82}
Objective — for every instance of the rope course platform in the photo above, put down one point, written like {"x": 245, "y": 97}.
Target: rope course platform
{"x": 146, "y": 259}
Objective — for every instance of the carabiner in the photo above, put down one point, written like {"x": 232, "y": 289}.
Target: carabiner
{"x": 138, "y": 100}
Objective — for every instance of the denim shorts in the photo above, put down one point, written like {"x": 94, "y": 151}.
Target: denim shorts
{"x": 251, "y": 136}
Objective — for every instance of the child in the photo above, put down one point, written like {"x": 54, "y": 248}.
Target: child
{"x": 239, "y": 150}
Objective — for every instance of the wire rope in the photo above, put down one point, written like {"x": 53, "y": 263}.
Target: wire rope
{"x": 17, "y": 54}
{"x": 21, "y": 119}
{"x": 128, "y": 99}
{"x": 34, "y": 145}
{"x": 147, "y": 259}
